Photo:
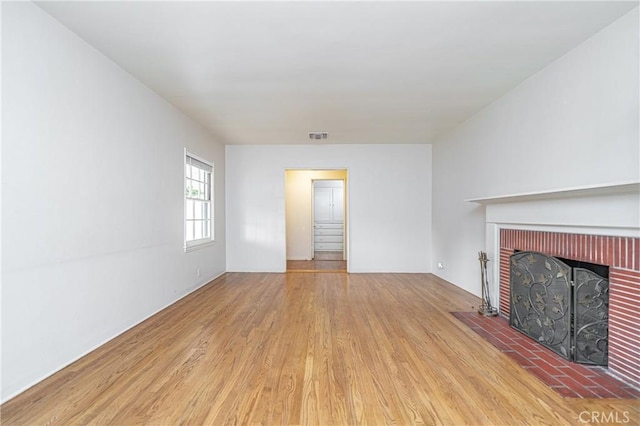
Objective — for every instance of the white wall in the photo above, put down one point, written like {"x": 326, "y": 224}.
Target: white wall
{"x": 574, "y": 123}
{"x": 92, "y": 211}
{"x": 388, "y": 196}
{"x": 299, "y": 193}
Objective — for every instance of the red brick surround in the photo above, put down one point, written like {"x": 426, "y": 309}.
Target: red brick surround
{"x": 621, "y": 254}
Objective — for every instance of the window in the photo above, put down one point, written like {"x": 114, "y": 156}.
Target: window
{"x": 198, "y": 211}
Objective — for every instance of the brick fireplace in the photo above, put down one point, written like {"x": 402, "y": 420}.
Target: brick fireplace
{"x": 622, "y": 256}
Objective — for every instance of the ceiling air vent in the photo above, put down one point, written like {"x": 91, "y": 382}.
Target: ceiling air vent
{"x": 318, "y": 135}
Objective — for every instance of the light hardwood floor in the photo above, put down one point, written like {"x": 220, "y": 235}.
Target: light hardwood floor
{"x": 302, "y": 348}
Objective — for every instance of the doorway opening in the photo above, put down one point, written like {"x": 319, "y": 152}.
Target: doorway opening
{"x": 316, "y": 220}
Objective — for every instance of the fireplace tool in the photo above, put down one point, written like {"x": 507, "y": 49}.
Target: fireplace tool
{"x": 485, "y": 308}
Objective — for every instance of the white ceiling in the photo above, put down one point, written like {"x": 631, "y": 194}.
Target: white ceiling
{"x": 366, "y": 72}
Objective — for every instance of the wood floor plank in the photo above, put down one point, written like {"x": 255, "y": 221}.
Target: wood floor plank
{"x": 301, "y": 348}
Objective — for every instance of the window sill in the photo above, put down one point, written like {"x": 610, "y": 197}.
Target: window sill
{"x": 199, "y": 246}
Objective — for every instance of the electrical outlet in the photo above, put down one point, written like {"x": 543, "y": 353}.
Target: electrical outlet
{"x": 198, "y": 272}
{"x": 440, "y": 265}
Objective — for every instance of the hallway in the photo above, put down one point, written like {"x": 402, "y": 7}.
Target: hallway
{"x": 323, "y": 261}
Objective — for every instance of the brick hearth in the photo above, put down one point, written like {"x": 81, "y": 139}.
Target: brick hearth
{"x": 566, "y": 378}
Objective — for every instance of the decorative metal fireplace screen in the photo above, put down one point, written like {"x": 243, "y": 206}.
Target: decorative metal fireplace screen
{"x": 563, "y": 308}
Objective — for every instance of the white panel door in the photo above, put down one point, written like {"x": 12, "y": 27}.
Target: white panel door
{"x": 337, "y": 201}
{"x": 323, "y": 204}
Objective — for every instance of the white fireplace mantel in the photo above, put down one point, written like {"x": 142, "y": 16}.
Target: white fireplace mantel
{"x": 612, "y": 209}
{"x": 572, "y": 192}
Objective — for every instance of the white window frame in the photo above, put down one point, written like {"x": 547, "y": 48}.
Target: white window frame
{"x": 193, "y": 244}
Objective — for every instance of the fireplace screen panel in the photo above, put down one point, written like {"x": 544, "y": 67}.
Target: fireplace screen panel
{"x": 540, "y": 300}
{"x": 571, "y": 320}
{"x": 591, "y": 300}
